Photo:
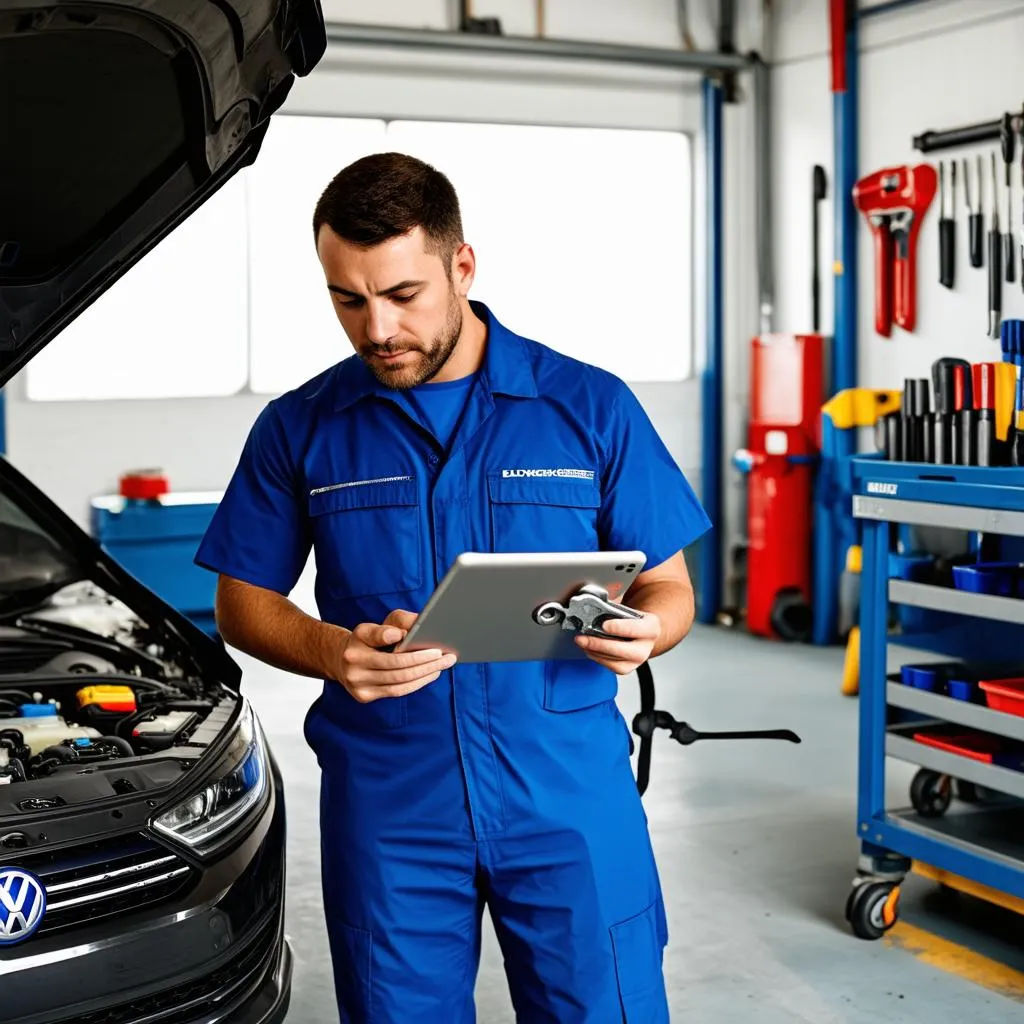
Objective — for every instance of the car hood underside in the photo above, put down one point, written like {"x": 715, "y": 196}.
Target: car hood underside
{"x": 119, "y": 119}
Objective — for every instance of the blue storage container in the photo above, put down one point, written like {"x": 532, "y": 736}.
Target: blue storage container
{"x": 1004, "y": 579}
{"x": 156, "y": 540}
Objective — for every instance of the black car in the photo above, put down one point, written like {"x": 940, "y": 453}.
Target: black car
{"x": 142, "y": 828}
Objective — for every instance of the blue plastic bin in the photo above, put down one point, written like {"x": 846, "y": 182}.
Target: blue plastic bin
{"x": 1004, "y": 579}
{"x": 156, "y": 541}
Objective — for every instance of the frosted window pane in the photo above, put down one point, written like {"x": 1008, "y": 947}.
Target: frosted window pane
{"x": 582, "y": 236}
{"x": 174, "y": 326}
{"x": 294, "y": 332}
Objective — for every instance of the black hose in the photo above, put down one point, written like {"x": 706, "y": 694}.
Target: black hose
{"x": 118, "y": 743}
{"x": 59, "y": 753}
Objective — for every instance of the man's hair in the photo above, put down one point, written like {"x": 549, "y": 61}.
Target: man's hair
{"x": 389, "y": 194}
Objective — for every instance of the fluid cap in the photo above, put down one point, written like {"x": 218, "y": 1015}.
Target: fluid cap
{"x": 39, "y": 710}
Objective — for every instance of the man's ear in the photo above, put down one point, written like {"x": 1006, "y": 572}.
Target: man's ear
{"x": 463, "y": 269}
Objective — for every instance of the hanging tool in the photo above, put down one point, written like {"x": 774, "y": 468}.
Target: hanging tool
{"x": 947, "y": 238}
{"x": 975, "y": 219}
{"x": 818, "y": 195}
{"x": 1007, "y": 137}
{"x": 995, "y": 261}
{"x": 894, "y": 200}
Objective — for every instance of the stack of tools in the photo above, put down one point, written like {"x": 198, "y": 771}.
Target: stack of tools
{"x": 967, "y": 415}
{"x": 1012, "y": 337}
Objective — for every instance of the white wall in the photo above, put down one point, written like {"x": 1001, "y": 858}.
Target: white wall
{"x": 197, "y": 441}
{"x": 935, "y": 65}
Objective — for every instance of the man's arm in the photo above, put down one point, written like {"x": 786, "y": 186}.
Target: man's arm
{"x": 273, "y": 629}
{"x": 665, "y": 595}
{"x": 268, "y": 626}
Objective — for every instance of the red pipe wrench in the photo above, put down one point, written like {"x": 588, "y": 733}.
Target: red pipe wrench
{"x": 895, "y": 200}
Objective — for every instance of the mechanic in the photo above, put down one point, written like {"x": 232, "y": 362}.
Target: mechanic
{"x": 446, "y": 788}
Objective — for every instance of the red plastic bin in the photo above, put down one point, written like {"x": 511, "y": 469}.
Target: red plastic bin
{"x": 977, "y": 746}
{"x": 1004, "y": 695}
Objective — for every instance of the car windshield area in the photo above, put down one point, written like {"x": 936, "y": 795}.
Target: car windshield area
{"x": 31, "y": 562}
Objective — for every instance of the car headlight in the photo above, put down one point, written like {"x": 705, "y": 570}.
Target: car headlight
{"x": 235, "y": 788}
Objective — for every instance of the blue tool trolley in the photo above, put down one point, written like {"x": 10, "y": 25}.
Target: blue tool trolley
{"x": 155, "y": 540}
{"x": 980, "y": 837}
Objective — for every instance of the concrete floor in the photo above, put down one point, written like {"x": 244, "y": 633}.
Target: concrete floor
{"x": 756, "y": 845}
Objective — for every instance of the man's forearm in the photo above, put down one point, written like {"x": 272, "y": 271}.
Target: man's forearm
{"x": 673, "y": 603}
{"x": 271, "y": 628}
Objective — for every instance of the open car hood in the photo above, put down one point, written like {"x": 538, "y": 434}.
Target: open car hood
{"x": 119, "y": 118}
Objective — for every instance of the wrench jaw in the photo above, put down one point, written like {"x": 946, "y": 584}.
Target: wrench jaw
{"x": 586, "y": 613}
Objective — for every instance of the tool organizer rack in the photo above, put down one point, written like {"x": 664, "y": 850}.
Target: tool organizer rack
{"x": 979, "y": 837}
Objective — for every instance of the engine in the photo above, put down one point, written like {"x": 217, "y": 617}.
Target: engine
{"x": 83, "y": 682}
{"x": 68, "y": 725}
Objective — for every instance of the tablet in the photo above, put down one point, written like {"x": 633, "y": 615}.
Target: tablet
{"x": 483, "y": 609}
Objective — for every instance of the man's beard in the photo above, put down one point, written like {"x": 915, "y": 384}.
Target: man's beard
{"x": 430, "y": 361}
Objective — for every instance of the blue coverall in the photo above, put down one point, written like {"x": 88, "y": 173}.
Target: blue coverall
{"x": 505, "y": 785}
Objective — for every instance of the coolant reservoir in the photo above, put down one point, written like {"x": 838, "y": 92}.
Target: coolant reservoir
{"x": 42, "y": 727}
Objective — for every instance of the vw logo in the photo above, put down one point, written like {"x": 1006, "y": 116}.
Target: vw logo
{"x": 22, "y": 905}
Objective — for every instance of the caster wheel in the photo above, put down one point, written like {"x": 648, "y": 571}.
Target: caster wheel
{"x": 931, "y": 793}
{"x": 873, "y": 908}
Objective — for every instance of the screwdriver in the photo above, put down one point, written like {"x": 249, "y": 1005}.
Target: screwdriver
{"x": 947, "y": 238}
{"x": 1007, "y": 138}
{"x": 976, "y": 218}
{"x": 995, "y": 259}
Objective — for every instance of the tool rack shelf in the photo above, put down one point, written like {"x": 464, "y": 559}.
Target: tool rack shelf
{"x": 978, "y": 839}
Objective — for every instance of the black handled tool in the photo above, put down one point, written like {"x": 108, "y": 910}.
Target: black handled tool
{"x": 947, "y": 239}
{"x": 1007, "y": 139}
{"x": 818, "y": 190}
{"x": 975, "y": 220}
{"x": 995, "y": 260}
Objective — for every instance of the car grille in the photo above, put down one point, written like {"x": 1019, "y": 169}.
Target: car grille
{"x": 209, "y": 996}
{"x": 98, "y": 879}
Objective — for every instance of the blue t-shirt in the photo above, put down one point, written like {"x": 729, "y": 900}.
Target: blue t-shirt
{"x": 440, "y": 404}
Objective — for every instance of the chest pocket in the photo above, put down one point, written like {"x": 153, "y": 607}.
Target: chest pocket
{"x": 366, "y": 536}
{"x": 543, "y": 513}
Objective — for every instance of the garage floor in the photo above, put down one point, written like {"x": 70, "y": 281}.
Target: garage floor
{"x": 757, "y": 850}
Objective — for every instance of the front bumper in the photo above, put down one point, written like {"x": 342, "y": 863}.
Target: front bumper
{"x": 215, "y": 954}
{"x": 270, "y": 1004}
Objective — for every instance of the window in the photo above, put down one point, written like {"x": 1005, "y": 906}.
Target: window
{"x": 582, "y": 236}
{"x": 174, "y": 325}
{"x": 583, "y": 240}
{"x": 293, "y": 331}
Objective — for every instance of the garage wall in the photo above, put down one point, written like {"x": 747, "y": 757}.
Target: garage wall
{"x": 197, "y": 441}
{"x": 934, "y": 65}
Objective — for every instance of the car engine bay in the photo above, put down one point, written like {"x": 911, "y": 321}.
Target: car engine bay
{"x": 96, "y": 703}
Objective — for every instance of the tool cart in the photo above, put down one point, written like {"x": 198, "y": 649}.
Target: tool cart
{"x": 962, "y": 721}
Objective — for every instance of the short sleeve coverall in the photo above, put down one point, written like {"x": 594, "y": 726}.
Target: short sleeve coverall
{"x": 505, "y": 785}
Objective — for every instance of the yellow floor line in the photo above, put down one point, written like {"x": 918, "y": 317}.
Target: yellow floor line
{"x": 953, "y": 959}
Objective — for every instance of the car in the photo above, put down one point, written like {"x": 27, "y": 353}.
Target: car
{"x": 142, "y": 818}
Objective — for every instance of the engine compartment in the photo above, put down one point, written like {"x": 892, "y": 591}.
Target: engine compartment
{"x": 94, "y": 703}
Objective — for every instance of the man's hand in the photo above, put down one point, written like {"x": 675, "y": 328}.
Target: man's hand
{"x": 623, "y": 657}
{"x": 368, "y": 673}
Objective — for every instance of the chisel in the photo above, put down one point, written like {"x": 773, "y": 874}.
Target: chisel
{"x": 995, "y": 261}
{"x": 975, "y": 219}
{"x": 947, "y": 237}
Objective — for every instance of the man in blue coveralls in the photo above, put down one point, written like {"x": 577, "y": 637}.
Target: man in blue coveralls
{"x": 449, "y": 787}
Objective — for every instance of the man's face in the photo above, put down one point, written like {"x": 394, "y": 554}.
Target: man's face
{"x": 395, "y": 302}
